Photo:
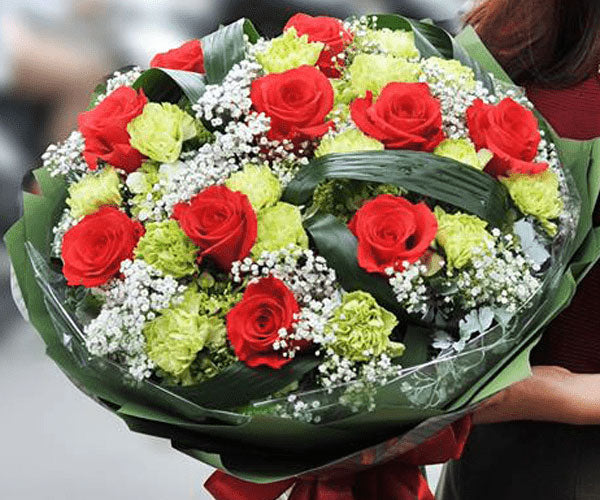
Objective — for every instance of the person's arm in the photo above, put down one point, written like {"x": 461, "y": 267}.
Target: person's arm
{"x": 45, "y": 68}
{"x": 552, "y": 394}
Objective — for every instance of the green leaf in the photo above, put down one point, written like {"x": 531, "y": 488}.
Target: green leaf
{"x": 339, "y": 246}
{"x": 99, "y": 90}
{"x": 168, "y": 85}
{"x": 239, "y": 384}
{"x": 226, "y": 47}
{"x": 417, "y": 340}
{"x": 474, "y": 48}
{"x": 480, "y": 73}
{"x": 442, "y": 179}
{"x": 431, "y": 40}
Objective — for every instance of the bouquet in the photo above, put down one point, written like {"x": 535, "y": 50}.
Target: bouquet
{"x": 325, "y": 248}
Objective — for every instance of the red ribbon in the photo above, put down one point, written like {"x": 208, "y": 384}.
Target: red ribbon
{"x": 398, "y": 479}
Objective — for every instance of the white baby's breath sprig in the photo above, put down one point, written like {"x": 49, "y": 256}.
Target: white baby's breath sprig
{"x": 128, "y": 304}
{"x": 66, "y": 158}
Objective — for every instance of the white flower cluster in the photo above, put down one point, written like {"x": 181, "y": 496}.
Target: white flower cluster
{"x": 338, "y": 371}
{"x": 358, "y": 26}
{"x": 244, "y": 138}
{"x": 120, "y": 79}
{"x": 360, "y": 396}
{"x": 66, "y": 158}
{"x": 499, "y": 277}
{"x": 227, "y": 108}
{"x": 311, "y": 281}
{"x": 547, "y": 153}
{"x": 300, "y": 410}
{"x": 66, "y": 222}
{"x": 229, "y": 100}
{"x": 454, "y": 101}
{"x": 211, "y": 165}
{"x": 129, "y": 303}
{"x": 349, "y": 384}
{"x": 285, "y": 158}
{"x": 409, "y": 287}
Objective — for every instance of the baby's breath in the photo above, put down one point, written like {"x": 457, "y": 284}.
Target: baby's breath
{"x": 128, "y": 304}
{"x": 120, "y": 79}
{"x": 66, "y": 158}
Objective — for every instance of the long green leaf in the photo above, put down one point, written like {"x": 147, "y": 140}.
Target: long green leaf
{"x": 168, "y": 85}
{"x": 238, "y": 385}
{"x": 469, "y": 42}
{"x": 339, "y": 246}
{"x": 226, "y": 47}
{"x": 98, "y": 90}
{"x": 426, "y": 174}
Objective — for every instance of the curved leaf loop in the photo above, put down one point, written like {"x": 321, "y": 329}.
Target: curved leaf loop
{"x": 429, "y": 175}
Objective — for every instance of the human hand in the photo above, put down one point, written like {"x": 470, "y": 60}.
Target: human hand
{"x": 551, "y": 394}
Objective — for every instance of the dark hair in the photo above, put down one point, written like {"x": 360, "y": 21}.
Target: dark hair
{"x": 554, "y": 43}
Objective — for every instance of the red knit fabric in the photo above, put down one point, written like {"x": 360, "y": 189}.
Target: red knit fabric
{"x": 573, "y": 339}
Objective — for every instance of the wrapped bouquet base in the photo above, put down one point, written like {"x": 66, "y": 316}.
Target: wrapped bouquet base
{"x": 305, "y": 261}
{"x": 399, "y": 478}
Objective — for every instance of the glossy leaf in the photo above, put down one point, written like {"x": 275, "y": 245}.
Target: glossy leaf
{"x": 168, "y": 85}
{"x": 226, "y": 47}
{"x": 442, "y": 179}
{"x": 339, "y": 246}
{"x": 239, "y": 384}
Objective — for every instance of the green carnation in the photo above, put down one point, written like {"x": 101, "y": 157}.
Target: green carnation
{"x": 537, "y": 195}
{"x": 94, "y": 191}
{"x": 347, "y": 142}
{"x": 362, "y": 328}
{"x": 343, "y": 197}
{"x": 178, "y": 334}
{"x": 279, "y": 226}
{"x": 289, "y": 51}
{"x": 373, "y": 72}
{"x": 160, "y": 131}
{"x": 451, "y": 72}
{"x": 141, "y": 184}
{"x": 393, "y": 42}
{"x": 463, "y": 150}
{"x": 261, "y": 187}
{"x": 461, "y": 236}
{"x": 167, "y": 248}
{"x": 217, "y": 303}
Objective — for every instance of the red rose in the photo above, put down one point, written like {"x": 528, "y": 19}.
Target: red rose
{"x": 297, "y": 101}
{"x": 221, "y": 222}
{"x": 105, "y": 130}
{"x": 327, "y": 30}
{"x": 391, "y": 230}
{"x": 253, "y": 324}
{"x": 93, "y": 250}
{"x": 405, "y": 116}
{"x": 508, "y": 130}
{"x": 188, "y": 57}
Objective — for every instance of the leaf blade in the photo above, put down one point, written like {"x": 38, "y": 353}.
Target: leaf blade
{"x": 239, "y": 385}
{"x": 226, "y": 47}
{"x": 339, "y": 246}
{"x": 168, "y": 85}
{"x": 426, "y": 174}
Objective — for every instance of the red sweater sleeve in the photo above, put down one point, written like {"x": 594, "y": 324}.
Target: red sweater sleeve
{"x": 573, "y": 339}
{"x": 573, "y": 112}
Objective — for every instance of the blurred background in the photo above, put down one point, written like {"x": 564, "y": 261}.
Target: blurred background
{"x": 55, "y": 443}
